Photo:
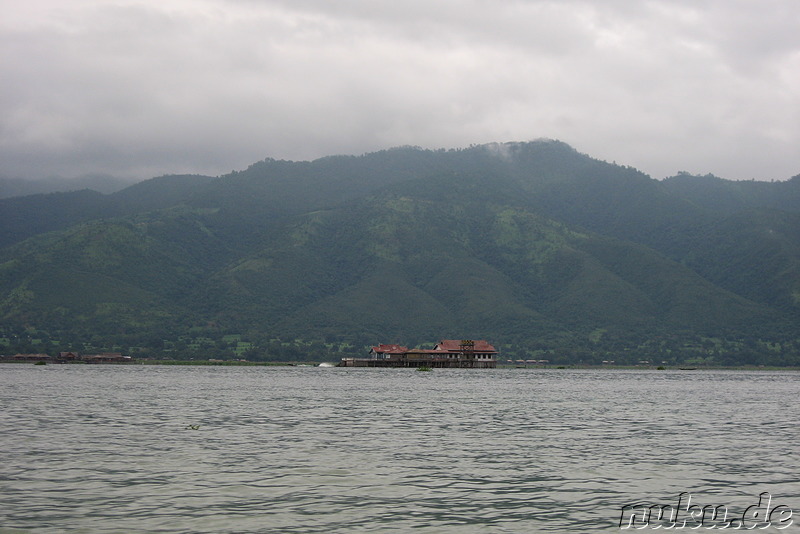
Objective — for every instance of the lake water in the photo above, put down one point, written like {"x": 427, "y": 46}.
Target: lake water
{"x": 306, "y": 449}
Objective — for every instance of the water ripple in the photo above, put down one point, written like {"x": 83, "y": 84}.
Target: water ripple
{"x": 290, "y": 450}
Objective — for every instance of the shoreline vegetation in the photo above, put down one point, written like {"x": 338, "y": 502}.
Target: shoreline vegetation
{"x": 242, "y": 349}
{"x": 285, "y": 261}
{"x": 610, "y": 367}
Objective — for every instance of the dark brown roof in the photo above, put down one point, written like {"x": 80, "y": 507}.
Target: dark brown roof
{"x": 454, "y": 345}
{"x": 390, "y": 349}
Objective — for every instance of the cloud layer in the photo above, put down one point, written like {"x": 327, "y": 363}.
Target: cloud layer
{"x": 142, "y": 88}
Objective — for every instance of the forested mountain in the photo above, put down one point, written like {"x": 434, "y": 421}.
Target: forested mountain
{"x": 16, "y": 187}
{"x": 544, "y": 251}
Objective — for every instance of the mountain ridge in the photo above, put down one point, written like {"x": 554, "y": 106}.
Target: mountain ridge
{"x": 533, "y": 245}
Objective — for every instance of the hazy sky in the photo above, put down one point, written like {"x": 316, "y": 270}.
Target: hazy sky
{"x": 142, "y": 88}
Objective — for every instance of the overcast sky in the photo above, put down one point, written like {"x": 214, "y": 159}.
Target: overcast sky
{"x": 141, "y": 88}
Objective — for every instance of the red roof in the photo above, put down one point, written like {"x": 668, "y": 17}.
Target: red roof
{"x": 454, "y": 345}
{"x": 390, "y": 349}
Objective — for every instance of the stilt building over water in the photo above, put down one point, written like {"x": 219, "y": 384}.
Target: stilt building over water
{"x": 453, "y": 353}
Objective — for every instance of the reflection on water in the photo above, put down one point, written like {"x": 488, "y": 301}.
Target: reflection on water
{"x": 229, "y": 449}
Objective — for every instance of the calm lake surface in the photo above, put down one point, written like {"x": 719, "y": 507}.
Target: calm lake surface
{"x": 306, "y": 449}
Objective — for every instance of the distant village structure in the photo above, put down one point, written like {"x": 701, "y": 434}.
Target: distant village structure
{"x": 451, "y": 353}
{"x": 70, "y": 357}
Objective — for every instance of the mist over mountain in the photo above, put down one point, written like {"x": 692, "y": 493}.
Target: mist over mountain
{"x": 102, "y": 183}
{"x": 544, "y": 251}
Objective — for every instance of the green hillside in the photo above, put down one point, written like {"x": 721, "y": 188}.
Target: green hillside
{"x": 542, "y": 250}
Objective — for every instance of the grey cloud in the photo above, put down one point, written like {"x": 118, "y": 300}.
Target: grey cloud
{"x": 148, "y": 88}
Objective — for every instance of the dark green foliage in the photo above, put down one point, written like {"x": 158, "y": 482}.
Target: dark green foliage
{"x": 157, "y": 193}
{"x": 727, "y": 196}
{"x": 24, "y": 217}
{"x": 102, "y": 183}
{"x": 542, "y": 250}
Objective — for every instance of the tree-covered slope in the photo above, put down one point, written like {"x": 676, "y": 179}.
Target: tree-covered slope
{"x": 24, "y": 217}
{"x": 726, "y": 196}
{"x": 532, "y": 245}
{"x": 432, "y": 257}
